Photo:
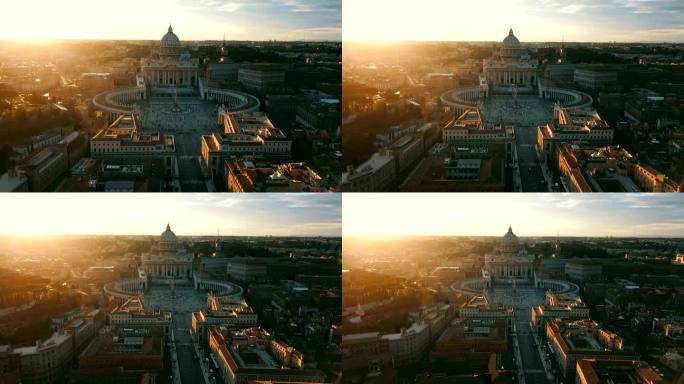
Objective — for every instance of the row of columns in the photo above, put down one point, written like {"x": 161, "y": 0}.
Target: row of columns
{"x": 131, "y": 285}
{"x": 223, "y": 98}
{"x": 168, "y": 270}
{"x": 471, "y": 95}
{"x": 168, "y": 77}
{"x": 507, "y": 270}
{"x": 558, "y": 96}
{"x": 514, "y": 77}
{"x": 214, "y": 287}
{"x": 128, "y": 98}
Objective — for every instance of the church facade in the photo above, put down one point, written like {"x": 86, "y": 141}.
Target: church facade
{"x": 168, "y": 261}
{"x": 510, "y": 66}
{"x": 512, "y": 263}
{"x": 171, "y": 66}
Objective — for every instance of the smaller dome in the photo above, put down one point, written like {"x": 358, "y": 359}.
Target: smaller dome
{"x": 168, "y": 235}
{"x": 511, "y": 41}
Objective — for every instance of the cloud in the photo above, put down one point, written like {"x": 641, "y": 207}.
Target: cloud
{"x": 572, "y": 8}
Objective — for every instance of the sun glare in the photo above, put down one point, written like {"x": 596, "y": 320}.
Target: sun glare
{"x": 387, "y": 20}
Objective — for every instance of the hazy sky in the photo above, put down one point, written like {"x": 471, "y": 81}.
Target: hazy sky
{"x": 609, "y": 214}
{"x": 189, "y": 214}
{"x": 191, "y": 19}
{"x": 532, "y": 20}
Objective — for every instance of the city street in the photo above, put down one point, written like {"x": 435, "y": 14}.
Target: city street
{"x": 182, "y": 301}
{"x": 189, "y": 367}
{"x": 523, "y": 298}
{"x": 188, "y": 149}
{"x": 532, "y": 364}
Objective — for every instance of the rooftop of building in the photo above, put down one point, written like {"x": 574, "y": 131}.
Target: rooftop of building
{"x": 56, "y": 339}
{"x": 415, "y": 328}
{"x": 224, "y": 307}
{"x": 126, "y": 342}
{"x": 578, "y": 119}
{"x": 377, "y": 161}
{"x": 477, "y": 301}
{"x": 360, "y": 337}
{"x": 475, "y": 330}
{"x": 616, "y": 372}
{"x": 255, "y": 175}
{"x": 133, "y": 305}
{"x": 42, "y": 159}
{"x": 473, "y": 120}
{"x": 253, "y": 350}
{"x": 125, "y": 129}
{"x": 584, "y": 336}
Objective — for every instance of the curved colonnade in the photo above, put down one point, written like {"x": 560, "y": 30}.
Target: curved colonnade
{"x": 118, "y": 102}
{"x": 219, "y": 288}
{"x": 125, "y": 289}
{"x": 462, "y": 99}
{"x": 473, "y": 287}
{"x": 123, "y": 100}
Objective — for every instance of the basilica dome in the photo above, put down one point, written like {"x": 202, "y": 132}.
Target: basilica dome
{"x": 510, "y": 237}
{"x": 170, "y": 39}
{"x": 511, "y": 41}
{"x": 170, "y": 44}
{"x": 168, "y": 235}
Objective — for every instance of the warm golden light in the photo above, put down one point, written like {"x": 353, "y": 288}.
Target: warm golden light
{"x": 488, "y": 20}
{"x": 479, "y": 214}
{"x": 32, "y": 20}
{"x": 143, "y": 214}
{"x": 441, "y": 20}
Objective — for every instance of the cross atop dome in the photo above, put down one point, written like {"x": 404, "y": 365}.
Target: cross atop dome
{"x": 510, "y": 229}
{"x": 171, "y": 29}
{"x": 510, "y": 32}
{"x": 168, "y": 226}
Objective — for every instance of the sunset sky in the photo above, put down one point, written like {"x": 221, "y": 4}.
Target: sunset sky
{"x": 189, "y": 214}
{"x": 191, "y": 19}
{"x": 532, "y": 20}
{"x": 620, "y": 214}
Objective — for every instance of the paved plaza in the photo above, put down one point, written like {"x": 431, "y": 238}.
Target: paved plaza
{"x": 187, "y": 120}
{"x": 525, "y": 110}
{"x": 182, "y": 299}
{"x": 519, "y": 297}
{"x": 188, "y": 115}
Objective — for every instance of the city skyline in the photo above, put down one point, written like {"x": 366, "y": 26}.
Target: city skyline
{"x": 532, "y": 20}
{"x": 195, "y": 20}
{"x": 472, "y": 214}
{"x": 188, "y": 215}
